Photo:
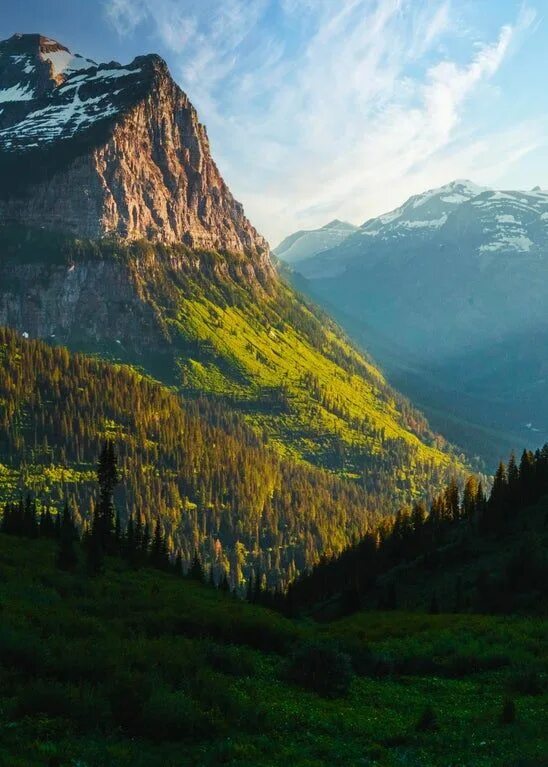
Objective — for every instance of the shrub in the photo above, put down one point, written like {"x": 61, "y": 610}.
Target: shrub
{"x": 508, "y": 713}
{"x": 127, "y": 695}
{"x": 231, "y": 660}
{"x": 20, "y": 651}
{"x": 528, "y": 682}
{"x": 172, "y": 716}
{"x": 81, "y": 705}
{"x": 322, "y": 669}
{"x": 427, "y": 721}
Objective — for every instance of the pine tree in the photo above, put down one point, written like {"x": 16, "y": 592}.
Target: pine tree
{"x": 66, "y": 555}
{"x": 452, "y": 500}
{"x": 196, "y": 571}
{"x": 498, "y": 500}
{"x": 158, "y": 552}
{"x": 469, "y": 497}
{"x": 527, "y": 478}
{"x": 108, "y": 478}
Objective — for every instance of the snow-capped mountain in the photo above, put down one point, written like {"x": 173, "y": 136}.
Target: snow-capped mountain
{"x": 48, "y": 94}
{"x": 99, "y": 149}
{"x": 308, "y": 242}
{"x": 453, "y": 285}
{"x": 423, "y": 213}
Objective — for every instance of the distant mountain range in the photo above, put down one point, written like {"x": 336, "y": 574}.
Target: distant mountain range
{"x": 449, "y": 291}
{"x": 308, "y": 242}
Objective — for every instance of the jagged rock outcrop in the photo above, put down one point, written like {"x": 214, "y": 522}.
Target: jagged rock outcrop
{"x": 106, "y": 149}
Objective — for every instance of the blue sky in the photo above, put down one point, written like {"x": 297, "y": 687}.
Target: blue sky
{"x": 319, "y": 109}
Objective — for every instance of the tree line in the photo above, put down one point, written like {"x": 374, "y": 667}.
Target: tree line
{"x": 104, "y": 535}
{"x": 420, "y": 533}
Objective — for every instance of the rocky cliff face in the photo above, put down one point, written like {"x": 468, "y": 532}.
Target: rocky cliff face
{"x": 89, "y": 305}
{"x": 106, "y": 149}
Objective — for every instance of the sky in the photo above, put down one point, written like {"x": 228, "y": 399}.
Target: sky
{"x": 322, "y": 109}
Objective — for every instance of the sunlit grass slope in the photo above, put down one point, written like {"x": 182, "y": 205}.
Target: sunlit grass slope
{"x": 289, "y": 369}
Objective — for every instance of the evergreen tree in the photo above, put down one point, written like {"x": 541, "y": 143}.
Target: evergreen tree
{"x": 196, "y": 571}
{"x": 469, "y": 498}
{"x": 452, "y": 500}
{"x": 66, "y": 555}
{"x": 108, "y": 478}
{"x": 158, "y": 552}
{"x": 497, "y": 507}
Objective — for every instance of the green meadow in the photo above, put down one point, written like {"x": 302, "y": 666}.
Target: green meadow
{"x": 138, "y": 668}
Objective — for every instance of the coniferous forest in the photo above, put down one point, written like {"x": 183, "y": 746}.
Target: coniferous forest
{"x": 213, "y": 483}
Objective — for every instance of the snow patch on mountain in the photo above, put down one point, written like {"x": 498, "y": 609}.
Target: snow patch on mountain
{"x": 17, "y": 93}
{"x": 307, "y": 243}
{"x": 68, "y": 94}
{"x": 64, "y": 62}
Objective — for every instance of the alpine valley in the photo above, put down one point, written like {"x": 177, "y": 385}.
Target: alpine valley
{"x": 449, "y": 293}
{"x": 225, "y": 537}
{"x": 119, "y": 239}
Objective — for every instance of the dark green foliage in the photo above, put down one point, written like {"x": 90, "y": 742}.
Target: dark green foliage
{"x": 370, "y": 572}
{"x": 428, "y": 721}
{"x": 196, "y": 571}
{"x": 78, "y": 704}
{"x": 508, "y": 714}
{"x": 528, "y": 682}
{"x": 141, "y": 667}
{"x": 321, "y": 669}
{"x": 67, "y": 558}
{"x": 103, "y": 532}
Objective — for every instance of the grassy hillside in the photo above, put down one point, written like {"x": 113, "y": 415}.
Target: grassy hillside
{"x": 229, "y": 329}
{"x": 141, "y": 668}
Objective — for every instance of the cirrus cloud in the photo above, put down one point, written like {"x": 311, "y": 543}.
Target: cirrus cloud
{"x": 319, "y": 110}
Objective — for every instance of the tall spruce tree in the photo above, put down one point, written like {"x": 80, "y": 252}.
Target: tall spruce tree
{"x": 66, "y": 555}
{"x": 101, "y": 539}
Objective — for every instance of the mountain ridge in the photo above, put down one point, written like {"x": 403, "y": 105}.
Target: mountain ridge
{"x": 106, "y": 149}
{"x": 306, "y": 242}
{"x": 439, "y": 289}
{"x": 206, "y": 315}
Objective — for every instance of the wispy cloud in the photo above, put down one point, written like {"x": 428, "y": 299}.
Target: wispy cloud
{"x": 319, "y": 109}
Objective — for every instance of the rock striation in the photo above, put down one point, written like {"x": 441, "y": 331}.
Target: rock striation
{"x": 109, "y": 150}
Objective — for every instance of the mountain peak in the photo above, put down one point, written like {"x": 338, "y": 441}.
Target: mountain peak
{"x": 337, "y": 223}
{"x": 96, "y": 149}
{"x": 31, "y": 43}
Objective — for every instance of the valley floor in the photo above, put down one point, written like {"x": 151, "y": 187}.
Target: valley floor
{"x": 142, "y": 668}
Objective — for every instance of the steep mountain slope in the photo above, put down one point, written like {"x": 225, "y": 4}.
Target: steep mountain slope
{"x": 107, "y": 149}
{"x": 449, "y": 292}
{"x": 216, "y": 322}
{"x": 306, "y": 243}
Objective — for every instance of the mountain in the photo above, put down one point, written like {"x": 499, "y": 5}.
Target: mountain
{"x": 109, "y": 150}
{"x": 92, "y": 259}
{"x": 449, "y": 293}
{"x": 306, "y": 243}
